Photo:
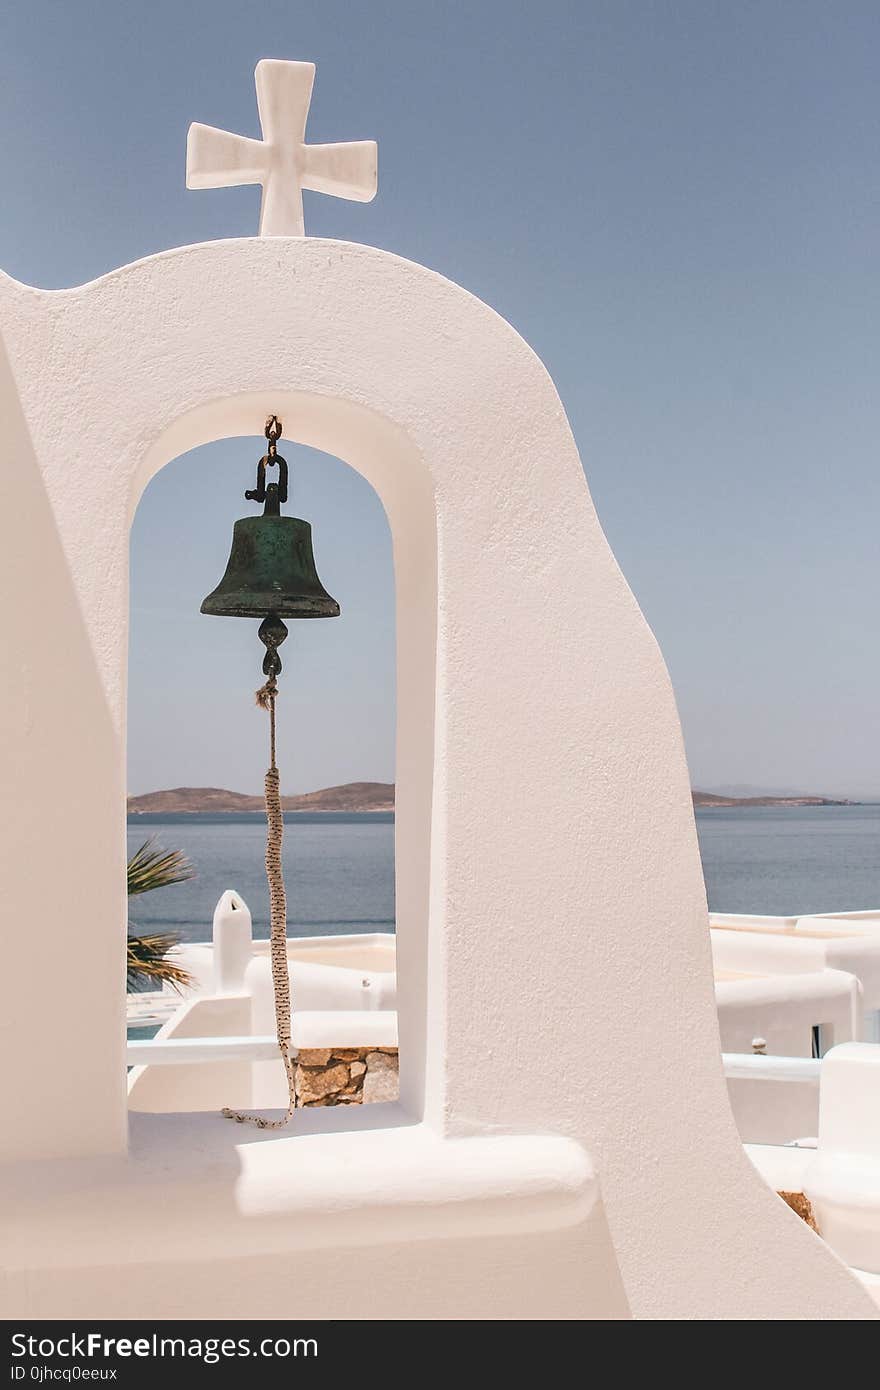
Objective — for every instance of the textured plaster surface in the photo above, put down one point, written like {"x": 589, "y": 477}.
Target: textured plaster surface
{"x": 542, "y": 786}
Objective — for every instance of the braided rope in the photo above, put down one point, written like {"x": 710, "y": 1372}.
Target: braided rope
{"x": 278, "y": 922}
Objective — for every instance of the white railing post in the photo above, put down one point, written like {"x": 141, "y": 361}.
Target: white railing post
{"x": 233, "y": 942}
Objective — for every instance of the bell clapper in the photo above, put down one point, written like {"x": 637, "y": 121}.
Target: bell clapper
{"x": 272, "y": 632}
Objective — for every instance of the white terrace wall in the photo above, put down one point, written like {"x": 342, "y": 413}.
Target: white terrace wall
{"x": 542, "y": 797}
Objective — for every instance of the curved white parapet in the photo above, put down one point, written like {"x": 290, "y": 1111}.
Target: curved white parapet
{"x": 865, "y": 919}
{"x": 363, "y": 973}
{"x": 320, "y": 1189}
{"x": 784, "y": 1009}
{"x": 316, "y": 986}
{"x": 429, "y": 1185}
{"x": 786, "y": 946}
{"x": 230, "y": 1195}
{"x": 843, "y": 1181}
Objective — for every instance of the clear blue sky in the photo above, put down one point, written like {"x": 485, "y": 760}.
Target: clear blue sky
{"x": 718, "y": 163}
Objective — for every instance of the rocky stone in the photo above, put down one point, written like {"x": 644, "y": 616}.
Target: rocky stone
{"x": 800, "y": 1204}
{"x": 380, "y": 1060}
{"x": 346, "y": 1076}
{"x": 314, "y": 1056}
{"x": 314, "y": 1083}
{"x": 381, "y": 1082}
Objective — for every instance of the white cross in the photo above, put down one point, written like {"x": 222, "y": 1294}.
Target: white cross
{"x": 282, "y": 162}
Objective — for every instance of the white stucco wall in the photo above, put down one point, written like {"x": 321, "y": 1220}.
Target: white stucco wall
{"x": 542, "y": 787}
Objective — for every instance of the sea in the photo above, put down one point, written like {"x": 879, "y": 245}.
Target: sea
{"x": 340, "y": 867}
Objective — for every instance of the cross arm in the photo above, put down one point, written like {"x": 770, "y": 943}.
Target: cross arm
{"x": 349, "y": 170}
{"x": 219, "y": 159}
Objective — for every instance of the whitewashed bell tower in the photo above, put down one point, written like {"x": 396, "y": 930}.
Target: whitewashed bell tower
{"x": 563, "y": 1147}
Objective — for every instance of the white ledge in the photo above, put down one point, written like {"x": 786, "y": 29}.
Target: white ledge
{"x": 316, "y": 1028}
{"x": 176, "y": 1052}
{"x": 756, "y": 1066}
{"x": 201, "y": 1186}
{"x": 345, "y": 1028}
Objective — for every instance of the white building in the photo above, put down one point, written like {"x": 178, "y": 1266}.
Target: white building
{"x": 848, "y": 942}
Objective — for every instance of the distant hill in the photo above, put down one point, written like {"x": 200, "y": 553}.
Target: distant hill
{"x": 354, "y": 796}
{"x": 375, "y": 796}
{"x": 711, "y": 799}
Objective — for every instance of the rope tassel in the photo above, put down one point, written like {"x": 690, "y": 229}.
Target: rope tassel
{"x": 278, "y": 921}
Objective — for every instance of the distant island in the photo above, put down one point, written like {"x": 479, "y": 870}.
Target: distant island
{"x": 373, "y": 796}
{"x": 703, "y": 799}
{"x": 354, "y": 796}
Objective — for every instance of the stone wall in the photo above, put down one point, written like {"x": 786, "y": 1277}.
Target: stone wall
{"x": 346, "y": 1075}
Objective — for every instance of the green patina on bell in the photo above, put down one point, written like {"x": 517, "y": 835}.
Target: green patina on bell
{"x": 271, "y": 568}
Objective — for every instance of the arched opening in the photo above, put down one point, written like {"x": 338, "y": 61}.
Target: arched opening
{"x": 336, "y": 717}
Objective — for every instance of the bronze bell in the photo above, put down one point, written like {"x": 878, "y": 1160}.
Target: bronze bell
{"x": 271, "y": 571}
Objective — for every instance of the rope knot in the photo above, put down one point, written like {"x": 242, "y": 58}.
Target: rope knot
{"x": 266, "y": 694}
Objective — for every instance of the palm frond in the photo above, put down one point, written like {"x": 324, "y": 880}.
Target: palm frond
{"x": 148, "y": 966}
{"x": 150, "y": 868}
